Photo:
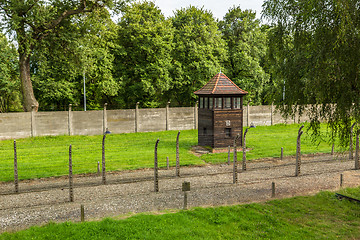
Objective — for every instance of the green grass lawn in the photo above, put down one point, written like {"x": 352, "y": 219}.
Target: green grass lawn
{"x": 48, "y": 156}
{"x": 267, "y": 141}
{"x": 311, "y": 217}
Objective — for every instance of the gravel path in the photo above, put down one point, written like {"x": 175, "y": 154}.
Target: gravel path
{"x": 44, "y": 200}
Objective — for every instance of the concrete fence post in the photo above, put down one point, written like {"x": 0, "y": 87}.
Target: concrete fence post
{"x": 16, "y": 176}
{"x": 103, "y": 161}
{"x": 357, "y": 152}
{"x": 137, "y": 117}
{"x": 71, "y": 192}
{"x": 70, "y": 131}
{"x": 33, "y": 124}
{"x": 105, "y": 119}
{"x": 272, "y": 114}
{"x": 298, "y": 152}
{"x": 332, "y": 149}
{"x": 351, "y": 141}
{"x": 167, "y": 116}
{"x": 248, "y": 114}
{"x": 156, "y": 169}
{"x": 177, "y": 156}
{"x": 244, "y": 151}
{"x": 294, "y": 115}
{"x": 282, "y": 154}
{"x": 196, "y": 117}
{"x": 298, "y": 115}
{"x": 167, "y": 163}
{"x": 235, "y": 177}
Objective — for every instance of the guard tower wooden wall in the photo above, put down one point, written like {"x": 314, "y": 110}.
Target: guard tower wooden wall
{"x": 220, "y": 112}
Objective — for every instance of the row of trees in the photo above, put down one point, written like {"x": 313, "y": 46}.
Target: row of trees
{"x": 144, "y": 58}
{"x": 309, "y": 54}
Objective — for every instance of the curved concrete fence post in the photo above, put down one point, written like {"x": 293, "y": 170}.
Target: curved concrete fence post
{"x": 156, "y": 168}
{"x": 235, "y": 172}
{"x": 298, "y": 152}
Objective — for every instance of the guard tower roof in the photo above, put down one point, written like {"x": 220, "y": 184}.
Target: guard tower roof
{"x": 220, "y": 84}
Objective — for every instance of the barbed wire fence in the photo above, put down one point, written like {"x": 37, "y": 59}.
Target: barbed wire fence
{"x": 56, "y": 158}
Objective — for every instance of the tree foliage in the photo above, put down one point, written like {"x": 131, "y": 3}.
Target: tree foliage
{"x": 61, "y": 61}
{"x": 246, "y": 49}
{"x": 198, "y": 54}
{"x": 316, "y": 48}
{"x": 99, "y": 42}
{"x": 54, "y": 70}
{"x": 32, "y": 21}
{"x": 143, "y": 59}
{"x": 9, "y": 77}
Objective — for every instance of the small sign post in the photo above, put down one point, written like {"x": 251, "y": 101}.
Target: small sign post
{"x": 185, "y": 189}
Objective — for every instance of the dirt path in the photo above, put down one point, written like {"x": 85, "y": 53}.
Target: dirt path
{"x": 44, "y": 200}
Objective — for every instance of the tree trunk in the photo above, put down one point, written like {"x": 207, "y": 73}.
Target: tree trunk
{"x": 29, "y": 99}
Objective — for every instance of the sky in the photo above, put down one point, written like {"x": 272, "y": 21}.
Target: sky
{"x": 218, "y": 7}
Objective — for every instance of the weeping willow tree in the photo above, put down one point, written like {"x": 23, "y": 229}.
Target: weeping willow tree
{"x": 315, "y": 50}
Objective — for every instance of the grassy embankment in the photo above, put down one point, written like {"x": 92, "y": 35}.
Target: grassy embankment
{"x": 311, "y": 217}
{"x": 48, "y": 156}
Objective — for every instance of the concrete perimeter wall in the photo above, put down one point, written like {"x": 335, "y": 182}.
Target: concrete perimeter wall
{"x": 266, "y": 115}
{"x": 28, "y": 124}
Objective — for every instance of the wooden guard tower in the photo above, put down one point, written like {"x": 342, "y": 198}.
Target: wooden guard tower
{"x": 220, "y": 112}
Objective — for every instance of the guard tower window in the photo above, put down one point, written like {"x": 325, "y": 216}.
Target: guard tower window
{"x": 227, "y": 102}
{"x": 206, "y": 102}
{"x": 237, "y": 103}
{"x": 218, "y": 102}
{"x": 211, "y": 103}
{"x": 228, "y": 132}
{"x": 205, "y": 131}
{"x": 201, "y": 100}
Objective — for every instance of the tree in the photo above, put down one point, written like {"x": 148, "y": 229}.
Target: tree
{"x": 55, "y": 69}
{"x": 315, "y": 46}
{"x": 31, "y": 22}
{"x": 9, "y": 77}
{"x": 99, "y": 42}
{"x": 246, "y": 49}
{"x": 198, "y": 52}
{"x": 60, "y": 62}
{"x": 143, "y": 57}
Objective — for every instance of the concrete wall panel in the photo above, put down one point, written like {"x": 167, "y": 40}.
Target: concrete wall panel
{"x": 260, "y": 115}
{"x": 87, "y": 123}
{"x": 181, "y": 118}
{"x": 245, "y": 113}
{"x": 15, "y": 125}
{"x": 152, "y": 119}
{"x": 18, "y": 125}
{"x": 51, "y": 123}
{"x": 121, "y": 121}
